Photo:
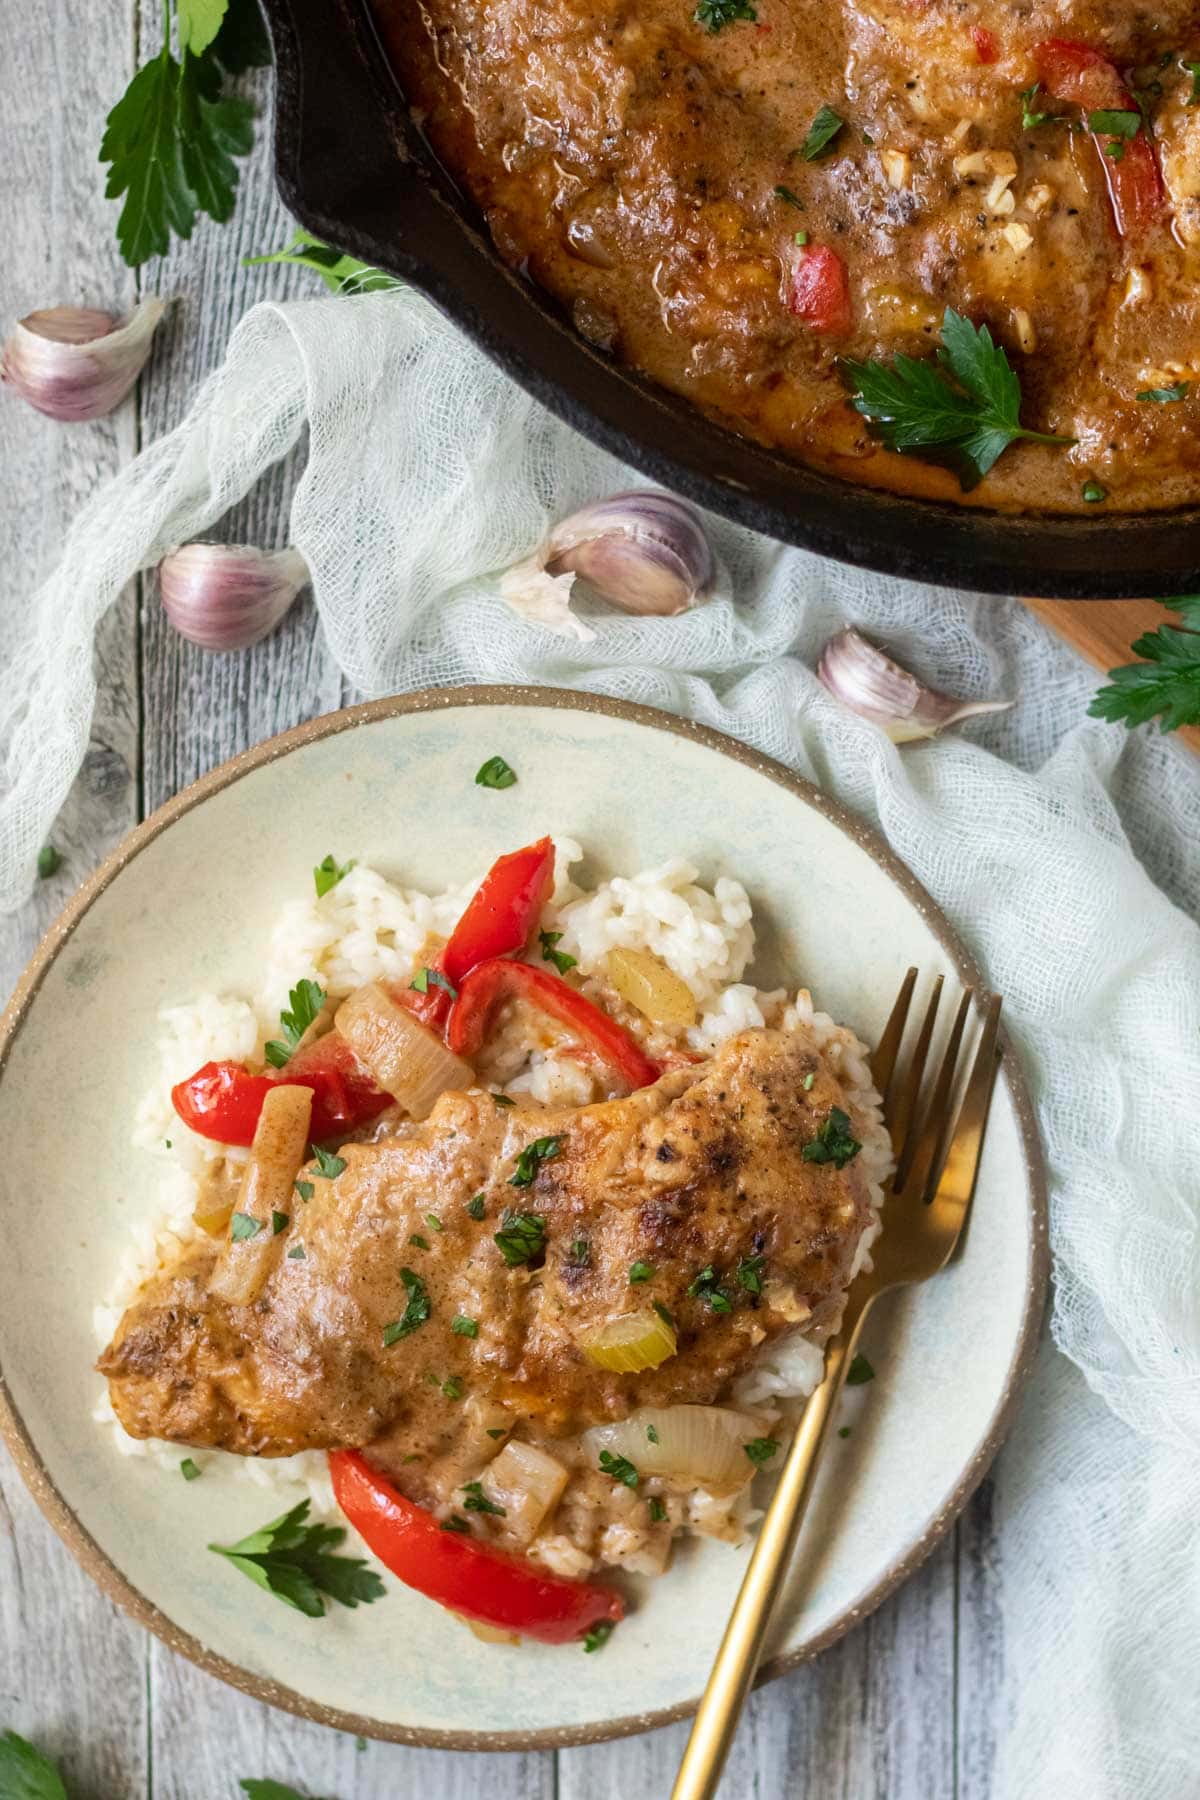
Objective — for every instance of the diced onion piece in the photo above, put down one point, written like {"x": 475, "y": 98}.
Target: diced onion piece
{"x": 215, "y": 1201}
{"x": 276, "y": 1155}
{"x": 638, "y": 1340}
{"x": 527, "y": 1483}
{"x": 647, "y": 983}
{"x": 701, "y": 1446}
{"x": 401, "y": 1055}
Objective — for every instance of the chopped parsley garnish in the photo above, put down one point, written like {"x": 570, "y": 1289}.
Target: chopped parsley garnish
{"x": 498, "y": 1431}
{"x": 456, "y": 1523}
{"x": 1093, "y": 492}
{"x": 503, "y": 1099}
{"x": 521, "y": 1237}
{"x": 279, "y": 1222}
{"x": 1118, "y": 125}
{"x": 542, "y": 1150}
{"x": 304, "y": 1003}
{"x": 619, "y": 1467}
{"x": 664, "y": 1313}
{"x": 477, "y": 1500}
{"x": 1030, "y": 118}
{"x": 706, "y": 1286}
{"x": 496, "y": 773}
{"x": 562, "y": 962}
{"x": 833, "y": 1143}
{"x": 328, "y": 1165}
{"x": 821, "y": 133}
{"x": 305, "y": 1189}
{"x": 189, "y": 1470}
{"x": 328, "y": 873}
{"x": 48, "y": 863}
{"x": 639, "y": 1272}
{"x": 425, "y": 978}
{"x": 801, "y": 238}
{"x": 464, "y": 1327}
{"x": 433, "y": 1222}
{"x": 859, "y": 1371}
{"x": 597, "y": 1636}
{"x": 786, "y": 195}
{"x": 714, "y": 15}
{"x": 806, "y": 1084}
{"x": 453, "y": 1388}
{"x": 296, "y": 1253}
{"x": 658, "y": 1511}
{"x": 1165, "y": 396}
{"x": 414, "y": 1314}
{"x": 476, "y": 1207}
{"x": 761, "y": 1450}
{"x": 749, "y": 1274}
{"x": 1166, "y": 685}
{"x": 843, "y": 1431}
{"x": 419, "y": 1242}
{"x": 963, "y": 407}
{"x": 294, "y": 1561}
{"x": 651, "y": 1434}
{"x": 1193, "y": 69}
{"x": 243, "y": 1226}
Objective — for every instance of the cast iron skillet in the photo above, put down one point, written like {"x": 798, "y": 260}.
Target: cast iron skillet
{"x": 353, "y": 169}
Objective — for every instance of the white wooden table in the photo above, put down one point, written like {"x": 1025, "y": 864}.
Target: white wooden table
{"x": 900, "y": 1710}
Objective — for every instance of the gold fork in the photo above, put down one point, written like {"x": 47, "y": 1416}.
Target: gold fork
{"x": 928, "y": 1199}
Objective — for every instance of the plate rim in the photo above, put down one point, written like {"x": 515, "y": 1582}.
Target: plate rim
{"x": 95, "y": 1561}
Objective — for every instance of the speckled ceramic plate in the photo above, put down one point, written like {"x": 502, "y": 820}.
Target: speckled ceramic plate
{"x": 185, "y": 904}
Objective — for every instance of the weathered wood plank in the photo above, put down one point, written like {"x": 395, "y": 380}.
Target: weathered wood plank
{"x": 980, "y": 1722}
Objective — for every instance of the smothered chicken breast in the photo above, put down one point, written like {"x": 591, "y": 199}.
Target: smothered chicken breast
{"x": 479, "y": 1252}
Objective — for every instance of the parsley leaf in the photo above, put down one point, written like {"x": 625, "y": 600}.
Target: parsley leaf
{"x": 415, "y": 1313}
{"x": 25, "y": 1774}
{"x": 761, "y": 1450}
{"x": 1119, "y": 125}
{"x": 786, "y": 194}
{"x": 714, "y": 15}
{"x": 964, "y": 407}
{"x": 453, "y": 1388}
{"x": 48, "y": 862}
{"x": 1166, "y": 685}
{"x": 619, "y": 1467}
{"x": 268, "y": 1790}
{"x": 597, "y": 1636}
{"x": 542, "y": 1150}
{"x": 639, "y": 1272}
{"x": 294, "y": 1561}
{"x": 706, "y": 1286}
{"x": 477, "y": 1500}
{"x": 341, "y": 274}
{"x": 860, "y": 1371}
{"x": 170, "y": 142}
{"x": 242, "y": 1226}
{"x": 242, "y": 42}
{"x": 833, "y": 1143}
{"x": 418, "y": 1242}
{"x": 502, "y": 1099}
{"x": 1165, "y": 396}
{"x": 580, "y": 1253}
{"x": 821, "y": 134}
{"x": 652, "y": 1434}
{"x": 522, "y": 1237}
{"x": 560, "y": 959}
{"x": 304, "y": 1003}
{"x": 328, "y": 1165}
{"x": 464, "y": 1327}
{"x": 1030, "y": 118}
{"x": 279, "y": 1222}
{"x": 305, "y": 1189}
{"x": 749, "y": 1274}
{"x": 456, "y": 1523}
{"x": 1193, "y": 69}
{"x": 658, "y": 1511}
{"x": 424, "y": 977}
{"x": 189, "y": 1469}
{"x": 199, "y": 22}
{"x": 496, "y": 773}
{"x": 297, "y": 1254}
{"x": 328, "y": 873}
{"x": 476, "y": 1207}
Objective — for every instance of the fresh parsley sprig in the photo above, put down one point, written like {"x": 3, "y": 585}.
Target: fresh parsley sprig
{"x": 964, "y": 407}
{"x": 295, "y": 1561}
{"x": 172, "y": 139}
{"x": 1165, "y": 685}
{"x": 26, "y": 1773}
{"x": 714, "y": 15}
{"x": 304, "y": 1003}
{"x": 341, "y": 274}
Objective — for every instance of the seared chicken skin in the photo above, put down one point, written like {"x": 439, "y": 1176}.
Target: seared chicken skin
{"x": 702, "y": 1172}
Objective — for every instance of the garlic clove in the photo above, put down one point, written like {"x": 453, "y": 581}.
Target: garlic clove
{"x": 867, "y": 680}
{"x": 228, "y": 596}
{"x": 74, "y": 362}
{"x": 644, "y": 551}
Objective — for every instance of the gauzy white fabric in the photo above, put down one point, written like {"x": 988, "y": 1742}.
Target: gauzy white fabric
{"x": 1041, "y": 833}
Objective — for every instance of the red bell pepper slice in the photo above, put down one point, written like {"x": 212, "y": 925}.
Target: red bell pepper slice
{"x": 460, "y": 1572}
{"x": 223, "y": 1099}
{"x": 986, "y": 47}
{"x": 492, "y": 982}
{"x": 820, "y": 293}
{"x": 1078, "y": 74}
{"x": 499, "y": 918}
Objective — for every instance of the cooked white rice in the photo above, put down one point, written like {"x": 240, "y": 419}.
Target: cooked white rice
{"x": 367, "y": 927}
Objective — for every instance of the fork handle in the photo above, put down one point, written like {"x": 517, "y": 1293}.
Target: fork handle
{"x": 720, "y": 1708}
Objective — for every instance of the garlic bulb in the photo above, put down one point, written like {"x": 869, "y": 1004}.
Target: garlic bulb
{"x": 74, "y": 363}
{"x": 644, "y": 551}
{"x": 866, "y": 680}
{"x": 228, "y": 596}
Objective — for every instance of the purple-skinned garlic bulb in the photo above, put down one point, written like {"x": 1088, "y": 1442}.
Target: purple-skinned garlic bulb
{"x": 871, "y": 684}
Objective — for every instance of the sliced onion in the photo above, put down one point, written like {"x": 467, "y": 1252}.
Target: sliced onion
{"x": 276, "y": 1155}
{"x": 701, "y": 1446}
{"x": 527, "y": 1483}
{"x": 401, "y": 1055}
{"x": 639, "y": 1340}
{"x": 648, "y": 983}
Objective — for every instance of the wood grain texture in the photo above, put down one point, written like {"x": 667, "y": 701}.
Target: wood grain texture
{"x": 1103, "y": 630}
{"x": 875, "y": 1718}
